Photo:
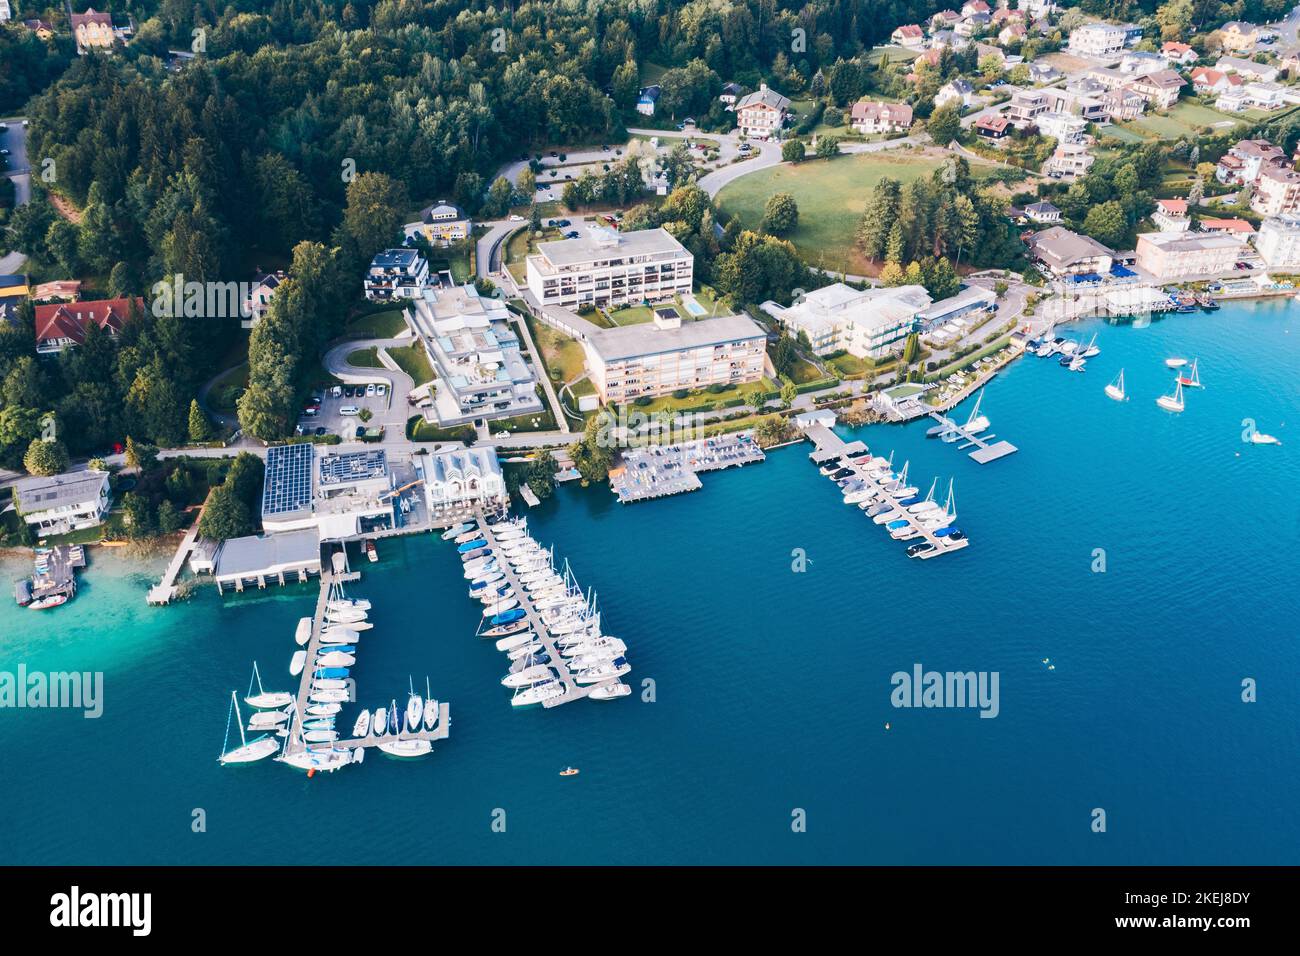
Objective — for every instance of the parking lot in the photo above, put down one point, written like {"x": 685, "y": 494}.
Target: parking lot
{"x": 336, "y": 411}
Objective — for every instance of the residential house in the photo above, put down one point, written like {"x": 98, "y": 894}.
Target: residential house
{"x": 1108, "y": 77}
{"x": 945, "y": 20}
{"x": 255, "y": 307}
{"x": 730, "y": 93}
{"x": 464, "y": 478}
{"x": 1264, "y": 96}
{"x": 64, "y": 324}
{"x": 992, "y": 127}
{"x": 762, "y": 113}
{"x": 1123, "y": 104}
{"x": 1235, "y": 227}
{"x": 1171, "y": 215}
{"x": 1277, "y": 191}
{"x": 59, "y": 290}
{"x": 1062, "y": 127}
{"x": 957, "y": 91}
{"x": 93, "y": 31}
{"x": 1290, "y": 62}
{"x": 660, "y": 357}
{"x": 1069, "y": 161}
{"x": 59, "y": 504}
{"x": 869, "y": 323}
{"x": 13, "y": 290}
{"x": 1247, "y": 69}
{"x": 940, "y": 39}
{"x": 1206, "y": 80}
{"x": 441, "y": 224}
{"x": 974, "y": 8}
{"x": 972, "y": 25}
{"x": 41, "y": 28}
{"x": 1179, "y": 54}
{"x": 1242, "y": 163}
{"x": 871, "y": 117}
{"x": 983, "y": 51}
{"x": 1132, "y": 34}
{"x": 1040, "y": 72}
{"x": 396, "y": 274}
{"x": 1278, "y": 243}
{"x": 1025, "y": 107}
{"x": 1012, "y": 33}
{"x": 1043, "y": 212}
{"x": 647, "y": 100}
{"x": 1138, "y": 62}
{"x": 1098, "y": 39}
{"x": 1060, "y": 252}
{"x": 1005, "y": 15}
{"x": 608, "y": 268}
{"x": 1183, "y": 256}
{"x": 1159, "y": 89}
{"x": 1236, "y": 36}
{"x": 910, "y": 36}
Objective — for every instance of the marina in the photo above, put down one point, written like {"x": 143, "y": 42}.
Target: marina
{"x": 54, "y": 579}
{"x": 542, "y": 616}
{"x": 966, "y": 435}
{"x": 657, "y": 471}
{"x": 879, "y": 487}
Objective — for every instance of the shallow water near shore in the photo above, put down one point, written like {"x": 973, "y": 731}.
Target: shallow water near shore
{"x": 771, "y": 687}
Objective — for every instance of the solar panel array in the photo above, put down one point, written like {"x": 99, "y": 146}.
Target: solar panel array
{"x": 288, "y": 479}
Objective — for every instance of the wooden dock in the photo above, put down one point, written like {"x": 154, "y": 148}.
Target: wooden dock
{"x": 165, "y": 590}
{"x": 985, "y": 451}
{"x": 829, "y": 446}
{"x": 294, "y": 744}
{"x": 572, "y": 689}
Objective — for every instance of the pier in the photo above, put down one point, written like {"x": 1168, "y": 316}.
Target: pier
{"x": 558, "y": 665}
{"x": 985, "y": 451}
{"x": 656, "y": 471}
{"x": 828, "y": 446}
{"x": 54, "y": 574}
{"x": 328, "y": 578}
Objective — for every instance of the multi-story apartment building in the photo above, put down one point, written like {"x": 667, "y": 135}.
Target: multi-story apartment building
{"x": 1242, "y": 163}
{"x": 1026, "y": 106}
{"x": 1098, "y": 39}
{"x": 1177, "y": 256}
{"x": 93, "y": 31}
{"x": 660, "y": 357}
{"x": 1277, "y": 191}
{"x": 762, "y": 113}
{"x": 869, "y": 117}
{"x": 609, "y": 268}
{"x": 1069, "y": 160}
{"x": 1278, "y": 242}
{"x": 396, "y": 274}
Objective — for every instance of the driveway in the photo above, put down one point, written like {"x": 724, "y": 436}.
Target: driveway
{"x": 389, "y": 410}
{"x": 18, "y": 170}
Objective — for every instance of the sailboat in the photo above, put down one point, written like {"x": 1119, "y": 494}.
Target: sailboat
{"x": 977, "y": 422}
{"x": 431, "y": 708}
{"x": 380, "y": 721}
{"x": 263, "y": 700}
{"x": 1193, "y": 378}
{"x": 414, "y": 710}
{"x": 1115, "y": 389}
{"x": 248, "y": 750}
{"x": 1174, "y": 402}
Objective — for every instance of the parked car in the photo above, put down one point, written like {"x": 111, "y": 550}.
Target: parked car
{"x": 349, "y": 410}
{"x": 571, "y": 235}
{"x": 320, "y": 431}
{"x": 336, "y": 392}
{"x": 516, "y": 218}
{"x": 311, "y": 412}
{"x": 370, "y": 389}
{"x": 381, "y": 389}
{"x": 745, "y": 147}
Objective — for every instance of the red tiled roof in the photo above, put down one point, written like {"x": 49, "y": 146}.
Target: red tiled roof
{"x": 68, "y": 320}
{"x": 1227, "y": 225}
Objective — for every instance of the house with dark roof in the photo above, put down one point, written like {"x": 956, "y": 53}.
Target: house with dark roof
{"x": 648, "y": 100}
{"x": 64, "y": 324}
{"x": 257, "y": 303}
{"x": 93, "y": 31}
{"x": 869, "y": 117}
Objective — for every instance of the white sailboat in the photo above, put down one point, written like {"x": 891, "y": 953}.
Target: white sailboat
{"x": 264, "y": 700}
{"x": 1115, "y": 389}
{"x": 977, "y": 422}
{"x": 268, "y": 719}
{"x": 247, "y": 751}
{"x": 1174, "y": 402}
{"x": 407, "y": 749}
{"x": 1193, "y": 378}
{"x": 431, "y": 709}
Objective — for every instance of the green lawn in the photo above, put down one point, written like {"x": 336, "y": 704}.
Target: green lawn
{"x": 365, "y": 358}
{"x": 377, "y": 325}
{"x": 804, "y": 372}
{"x": 227, "y": 389}
{"x": 559, "y": 352}
{"x": 412, "y": 360}
{"x": 702, "y": 397}
{"x": 831, "y": 195}
{"x": 417, "y": 429}
{"x": 1185, "y": 119}
{"x": 542, "y": 421}
{"x": 849, "y": 366}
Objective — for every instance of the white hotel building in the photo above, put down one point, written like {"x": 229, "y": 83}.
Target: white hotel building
{"x": 608, "y": 268}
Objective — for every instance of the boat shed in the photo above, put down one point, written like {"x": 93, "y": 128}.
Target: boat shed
{"x": 269, "y": 558}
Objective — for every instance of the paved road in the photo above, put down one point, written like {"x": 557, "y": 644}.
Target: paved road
{"x": 18, "y": 170}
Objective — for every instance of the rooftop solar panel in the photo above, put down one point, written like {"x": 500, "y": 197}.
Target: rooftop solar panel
{"x": 287, "y": 487}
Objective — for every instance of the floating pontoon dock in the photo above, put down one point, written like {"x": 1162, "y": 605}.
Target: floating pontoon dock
{"x": 985, "y": 451}
{"x": 656, "y": 471}
{"x": 828, "y": 446}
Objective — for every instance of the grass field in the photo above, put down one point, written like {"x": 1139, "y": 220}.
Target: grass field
{"x": 831, "y": 195}
{"x": 1185, "y": 119}
{"x": 365, "y": 358}
{"x": 559, "y": 352}
{"x": 377, "y": 325}
{"x": 412, "y": 360}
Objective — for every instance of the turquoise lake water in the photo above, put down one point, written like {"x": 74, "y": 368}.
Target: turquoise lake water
{"x": 772, "y": 688}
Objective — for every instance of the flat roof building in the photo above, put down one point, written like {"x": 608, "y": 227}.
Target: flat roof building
{"x": 396, "y": 274}
{"x": 337, "y": 495}
{"x": 1178, "y": 256}
{"x": 61, "y": 503}
{"x": 608, "y": 268}
{"x": 1278, "y": 242}
{"x": 866, "y": 323}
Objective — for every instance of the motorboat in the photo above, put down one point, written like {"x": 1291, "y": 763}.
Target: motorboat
{"x": 525, "y": 650}
{"x": 379, "y": 721}
{"x": 903, "y": 534}
{"x": 339, "y": 636}
{"x": 336, "y": 659}
{"x": 480, "y": 552}
{"x": 900, "y": 523}
{"x": 1175, "y": 362}
{"x": 594, "y": 675}
{"x": 297, "y": 662}
{"x": 407, "y": 749}
{"x": 328, "y": 683}
{"x": 879, "y": 509}
{"x": 610, "y": 691}
{"x": 345, "y": 616}
{"x": 353, "y": 627}
{"x": 47, "y": 602}
{"x": 1077, "y": 364}
{"x": 1174, "y": 402}
{"x": 318, "y": 761}
{"x": 348, "y": 604}
{"x": 362, "y": 727}
{"x": 331, "y": 696}
{"x": 324, "y": 710}
{"x": 320, "y": 736}
{"x": 887, "y": 516}
{"x": 465, "y": 537}
{"x": 1259, "y": 438}
{"x": 320, "y": 723}
{"x": 1115, "y": 390}
{"x": 267, "y": 719}
{"x": 501, "y": 593}
{"x": 513, "y": 641}
{"x": 474, "y": 545}
{"x": 1067, "y": 347}
{"x": 497, "y": 608}
{"x": 302, "y": 634}
{"x": 457, "y": 530}
{"x": 919, "y": 549}
{"x": 506, "y": 617}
